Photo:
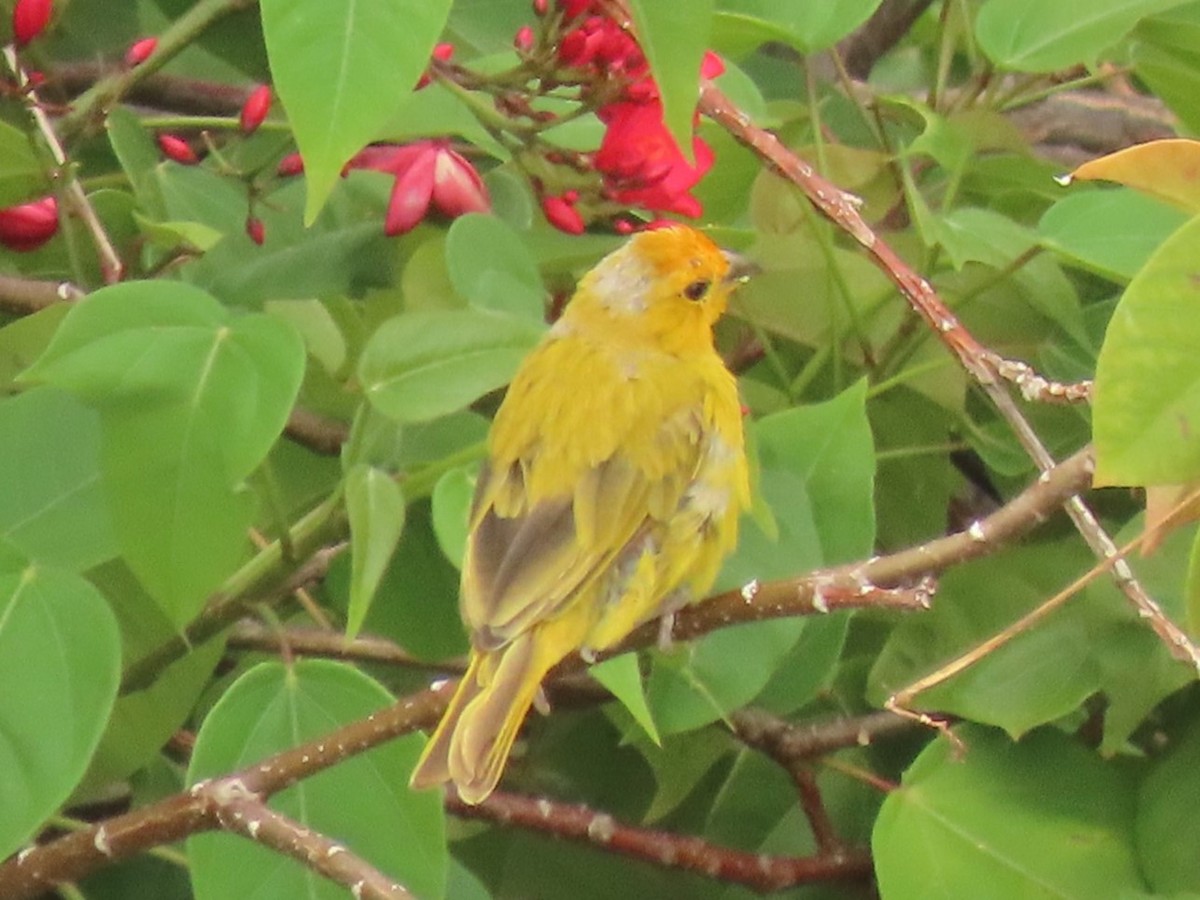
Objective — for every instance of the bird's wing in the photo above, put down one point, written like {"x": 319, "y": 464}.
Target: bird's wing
{"x": 525, "y": 562}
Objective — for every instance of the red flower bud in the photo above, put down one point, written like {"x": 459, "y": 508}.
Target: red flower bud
{"x": 623, "y": 226}
{"x": 140, "y": 51}
{"x": 290, "y": 165}
{"x": 442, "y": 53}
{"x": 255, "y": 109}
{"x": 34, "y": 78}
{"x": 562, "y": 215}
{"x": 256, "y": 230}
{"x": 29, "y": 19}
{"x": 540, "y": 7}
{"x": 28, "y": 226}
{"x": 524, "y": 39}
{"x": 571, "y": 196}
{"x": 178, "y": 149}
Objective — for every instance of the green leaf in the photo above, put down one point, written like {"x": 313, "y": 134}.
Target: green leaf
{"x": 674, "y": 37}
{"x": 340, "y": 71}
{"x": 421, "y": 586}
{"x": 422, "y": 365}
{"x": 21, "y": 178}
{"x": 1147, "y": 397}
{"x": 492, "y": 268}
{"x": 274, "y": 707}
{"x": 375, "y": 507}
{"x": 1166, "y": 56}
{"x": 54, "y": 508}
{"x": 1111, "y": 232}
{"x": 451, "y": 505}
{"x": 139, "y": 158}
{"x": 1041, "y": 818}
{"x": 808, "y": 25}
{"x": 1036, "y": 677}
{"x": 191, "y": 400}
{"x": 347, "y": 238}
{"x": 623, "y": 676}
{"x": 60, "y": 661}
{"x": 1034, "y": 36}
{"x": 142, "y": 721}
{"x": 1170, "y": 854}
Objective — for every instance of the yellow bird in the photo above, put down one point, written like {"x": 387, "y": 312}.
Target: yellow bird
{"x": 615, "y": 476}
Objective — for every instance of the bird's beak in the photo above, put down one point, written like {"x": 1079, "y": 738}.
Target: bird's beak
{"x": 741, "y": 269}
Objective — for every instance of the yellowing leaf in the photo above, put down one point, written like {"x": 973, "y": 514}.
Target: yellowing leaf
{"x": 1168, "y": 506}
{"x": 1167, "y": 169}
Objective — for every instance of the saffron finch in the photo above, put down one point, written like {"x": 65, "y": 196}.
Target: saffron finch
{"x": 615, "y": 476}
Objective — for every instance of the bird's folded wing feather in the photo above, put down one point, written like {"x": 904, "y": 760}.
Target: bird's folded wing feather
{"x": 526, "y": 561}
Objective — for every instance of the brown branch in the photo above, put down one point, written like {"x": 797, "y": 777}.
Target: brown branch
{"x": 159, "y": 91}
{"x": 75, "y": 856}
{"x": 251, "y": 635}
{"x": 26, "y": 296}
{"x": 757, "y": 871}
{"x": 792, "y": 747}
{"x": 879, "y": 34}
{"x": 318, "y": 433}
{"x": 789, "y": 742}
{"x": 244, "y": 813}
{"x": 979, "y": 362}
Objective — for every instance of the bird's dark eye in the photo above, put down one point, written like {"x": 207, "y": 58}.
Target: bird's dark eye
{"x": 697, "y": 289}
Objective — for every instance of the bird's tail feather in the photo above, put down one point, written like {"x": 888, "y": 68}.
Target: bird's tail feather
{"x": 475, "y": 736}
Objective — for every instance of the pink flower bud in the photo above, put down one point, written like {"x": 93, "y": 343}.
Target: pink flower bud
{"x": 411, "y": 194}
{"x": 541, "y": 7}
{"x": 178, "y": 149}
{"x": 623, "y": 226}
{"x": 256, "y": 230}
{"x": 457, "y": 187}
{"x": 290, "y": 165}
{"x": 28, "y": 226}
{"x": 255, "y": 109}
{"x": 140, "y": 51}
{"x": 524, "y": 39}
{"x": 29, "y": 19}
{"x": 562, "y": 215}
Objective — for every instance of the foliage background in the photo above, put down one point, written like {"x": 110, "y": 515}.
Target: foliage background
{"x": 143, "y": 437}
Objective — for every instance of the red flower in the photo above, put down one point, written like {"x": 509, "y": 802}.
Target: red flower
{"x": 602, "y": 44}
{"x": 428, "y": 173}
{"x": 642, "y": 164}
{"x": 140, "y": 51}
{"x": 29, "y": 19}
{"x": 255, "y": 109}
{"x": 28, "y": 226}
{"x": 562, "y": 215}
{"x": 178, "y": 149}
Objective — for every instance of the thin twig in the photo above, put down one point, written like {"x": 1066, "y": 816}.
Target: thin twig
{"x": 251, "y": 635}
{"x": 111, "y": 267}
